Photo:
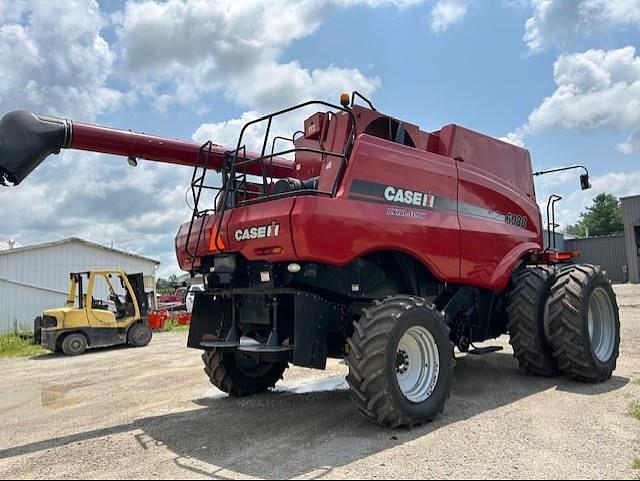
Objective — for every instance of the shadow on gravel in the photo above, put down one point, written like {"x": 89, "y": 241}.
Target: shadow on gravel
{"x": 284, "y": 434}
{"x": 51, "y": 356}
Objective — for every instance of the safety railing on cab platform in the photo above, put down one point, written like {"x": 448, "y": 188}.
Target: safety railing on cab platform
{"x": 236, "y": 190}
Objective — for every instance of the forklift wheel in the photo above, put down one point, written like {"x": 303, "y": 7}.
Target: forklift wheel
{"x": 139, "y": 335}
{"x": 74, "y": 344}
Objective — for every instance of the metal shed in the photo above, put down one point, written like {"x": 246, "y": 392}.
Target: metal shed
{"x": 36, "y": 277}
{"x": 607, "y": 252}
{"x": 631, "y": 214}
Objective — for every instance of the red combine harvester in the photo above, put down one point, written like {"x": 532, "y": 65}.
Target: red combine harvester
{"x": 368, "y": 239}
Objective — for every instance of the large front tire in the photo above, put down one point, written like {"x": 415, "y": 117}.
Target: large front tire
{"x": 239, "y": 375}
{"x": 400, "y": 362}
{"x": 584, "y": 323}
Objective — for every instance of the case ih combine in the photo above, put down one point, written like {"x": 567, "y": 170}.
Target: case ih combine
{"x": 368, "y": 239}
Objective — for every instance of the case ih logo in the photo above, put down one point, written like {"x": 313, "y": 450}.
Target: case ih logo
{"x": 260, "y": 232}
{"x": 368, "y": 191}
{"x": 409, "y": 197}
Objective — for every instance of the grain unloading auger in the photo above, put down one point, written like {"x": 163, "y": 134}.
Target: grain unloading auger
{"x": 27, "y": 139}
{"x": 368, "y": 239}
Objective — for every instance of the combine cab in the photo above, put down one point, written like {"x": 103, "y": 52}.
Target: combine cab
{"x": 365, "y": 239}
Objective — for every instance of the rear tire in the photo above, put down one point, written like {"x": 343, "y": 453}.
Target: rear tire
{"x": 526, "y": 311}
{"x": 239, "y": 375}
{"x": 74, "y": 344}
{"x": 139, "y": 335}
{"x": 400, "y": 362}
{"x": 584, "y": 323}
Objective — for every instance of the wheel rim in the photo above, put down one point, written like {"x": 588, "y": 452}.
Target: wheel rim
{"x": 75, "y": 344}
{"x": 417, "y": 364}
{"x": 602, "y": 324}
{"x": 250, "y": 367}
{"x": 140, "y": 336}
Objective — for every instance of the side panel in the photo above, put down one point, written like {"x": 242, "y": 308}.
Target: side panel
{"x": 499, "y": 225}
{"x": 97, "y": 337}
{"x": 512, "y": 164}
{"x": 249, "y": 229}
{"x": 211, "y": 316}
{"x": 374, "y": 210}
{"x": 199, "y": 239}
{"x": 262, "y": 226}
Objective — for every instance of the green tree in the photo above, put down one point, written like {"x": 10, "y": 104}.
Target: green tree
{"x": 167, "y": 284}
{"x": 604, "y": 217}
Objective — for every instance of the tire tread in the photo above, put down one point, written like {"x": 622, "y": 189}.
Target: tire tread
{"x": 567, "y": 336}
{"x": 222, "y": 378}
{"x": 367, "y": 358}
{"x": 530, "y": 288}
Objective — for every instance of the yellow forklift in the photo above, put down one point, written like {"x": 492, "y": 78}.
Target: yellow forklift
{"x": 111, "y": 311}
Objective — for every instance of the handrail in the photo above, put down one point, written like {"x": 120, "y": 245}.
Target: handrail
{"x": 234, "y": 172}
{"x": 551, "y": 223}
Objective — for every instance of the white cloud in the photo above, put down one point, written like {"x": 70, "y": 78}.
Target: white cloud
{"x": 182, "y": 49}
{"x": 515, "y": 138}
{"x": 278, "y": 85}
{"x": 632, "y": 144}
{"x": 447, "y": 13}
{"x": 12, "y": 11}
{"x": 595, "y": 89}
{"x": 55, "y": 58}
{"x": 285, "y": 85}
{"x": 226, "y": 133}
{"x": 557, "y": 22}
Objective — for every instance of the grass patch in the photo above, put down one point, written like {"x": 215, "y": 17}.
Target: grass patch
{"x": 171, "y": 325}
{"x": 634, "y": 412}
{"x": 12, "y": 345}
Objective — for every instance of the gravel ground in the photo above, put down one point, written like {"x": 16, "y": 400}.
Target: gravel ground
{"x": 150, "y": 413}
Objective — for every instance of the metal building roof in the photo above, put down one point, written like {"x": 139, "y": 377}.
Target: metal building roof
{"x": 4, "y": 245}
{"x": 72, "y": 240}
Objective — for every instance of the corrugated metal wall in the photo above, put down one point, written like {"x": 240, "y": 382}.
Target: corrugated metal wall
{"x": 559, "y": 240}
{"x": 36, "y": 279}
{"x": 17, "y": 301}
{"x": 631, "y": 214}
{"x": 608, "y": 252}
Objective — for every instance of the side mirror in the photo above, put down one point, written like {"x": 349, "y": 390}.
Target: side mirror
{"x": 584, "y": 182}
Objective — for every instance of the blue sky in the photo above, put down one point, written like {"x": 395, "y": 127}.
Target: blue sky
{"x": 561, "y": 76}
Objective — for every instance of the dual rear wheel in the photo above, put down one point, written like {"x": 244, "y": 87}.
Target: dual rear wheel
{"x": 564, "y": 321}
{"x": 584, "y": 323}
